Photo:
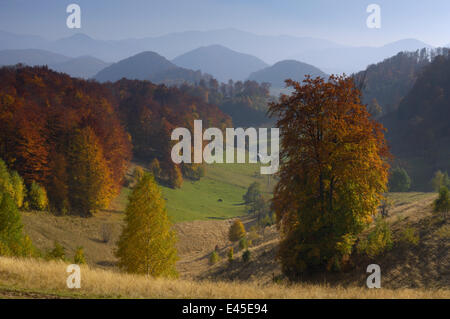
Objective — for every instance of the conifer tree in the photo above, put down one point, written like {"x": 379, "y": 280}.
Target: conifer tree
{"x": 147, "y": 242}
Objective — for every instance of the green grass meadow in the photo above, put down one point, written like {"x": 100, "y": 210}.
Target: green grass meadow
{"x": 218, "y": 195}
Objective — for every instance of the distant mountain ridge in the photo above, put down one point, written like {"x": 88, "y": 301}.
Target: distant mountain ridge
{"x": 149, "y": 66}
{"x": 329, "y": 56}
{"x": 288, "y": 69}
{"x": 81, "y": 67}
{"x": 353, "y": 59}
{"x": 222, "y": 63}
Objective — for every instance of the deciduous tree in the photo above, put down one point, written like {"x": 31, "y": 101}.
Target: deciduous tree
{"x": 333, "y": 172}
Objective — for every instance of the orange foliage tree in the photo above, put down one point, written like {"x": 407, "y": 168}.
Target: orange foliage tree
{"x": 333, "y": 173}
{"x": 90, "y": 184}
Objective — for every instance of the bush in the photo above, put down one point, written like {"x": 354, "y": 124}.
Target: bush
{"x": 155, "y": 168}
{"x": 214, "y": 258}
{"x": 246, "y": 256}
{"x": 37, "y": 197}
{"x": 440, "y": 180}
{"x": 243, "y": 244}
{"x": 79, "y": 256}
{"x": 253, "y": 193}
{"x": 57, "y": 253}
{"x": 409, "y": 235}
{"x": 193, "y": 171}
{"x": 378, "y": 241}
{"x": 230, "y": 254}
{"x": 237, "y": 231}
{"x": 253, "y": 235}
{"x": 399, "y": 181}
{"x": 442, "y": 203}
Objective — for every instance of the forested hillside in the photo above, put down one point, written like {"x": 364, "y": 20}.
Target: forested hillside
{"x": 246, "y": 102}
{"x": 76, "y": 137}
{"x": 419, "y": 131}
{"x": 54, "y": 128}
{"x": 386, "y": 83}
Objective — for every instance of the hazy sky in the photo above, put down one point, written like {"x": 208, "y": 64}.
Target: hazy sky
{"x": 342, "y": 21}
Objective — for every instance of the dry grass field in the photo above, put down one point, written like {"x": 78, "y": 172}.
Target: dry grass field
{"x": 40, "y": 279}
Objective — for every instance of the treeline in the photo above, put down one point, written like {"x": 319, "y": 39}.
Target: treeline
{"x": 385, "y": 84}
{"x": 75, "y": 137}
{"x": 246, "y": 102}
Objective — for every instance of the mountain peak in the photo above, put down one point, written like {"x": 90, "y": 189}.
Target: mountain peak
{"x": 221, "y": 62}
{"x": 286, "y": 69}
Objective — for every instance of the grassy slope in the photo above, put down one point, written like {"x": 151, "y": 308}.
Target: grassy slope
{"x": 200, "y": 200}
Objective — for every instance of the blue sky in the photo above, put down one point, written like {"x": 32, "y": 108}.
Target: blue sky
{"x": 343, "y": 21}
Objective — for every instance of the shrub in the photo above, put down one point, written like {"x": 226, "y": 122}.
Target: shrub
{"x": 440, "y": 180}
{"x": 193, "y": 171}
{"x": 214, "y": 258}
{"x": 409, "y": 235}
{"x": 246, "y": 256}
{"x": 37, "y": 197}
{"x": 243, "y": 244}
{"x": 27, "y": 249}
{"x": 230, "y": 254}
{"x": 378, "y": 241}
{"x": 155, "y": 168}
{"x": 237, "y": 231}
{"x": 399, "y": 181}
{"x": 57, "y": 253}
{"x": 253, "y": 193}
{"x": 442, "y": 203}
{"x": 79, "y": 256}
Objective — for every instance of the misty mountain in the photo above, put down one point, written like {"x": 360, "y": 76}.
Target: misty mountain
{"x": 149, "y": 66}
{"x": 267, "y": 48}
{"x": 327, "y": 55}
{"x": 353, "y": 59}
{"x": 82, "y": 67}
{"x": 289, "y": 69}
{"x": 222, "y": 63}
{"x": 10, "y": 40}
{"x": 31, "y": 57}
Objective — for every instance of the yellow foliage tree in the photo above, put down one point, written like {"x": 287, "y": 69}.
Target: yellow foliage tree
{"x": 237, "y": 231}
{"x": 147, "y": 243}
{"x": 90, "y": 186}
